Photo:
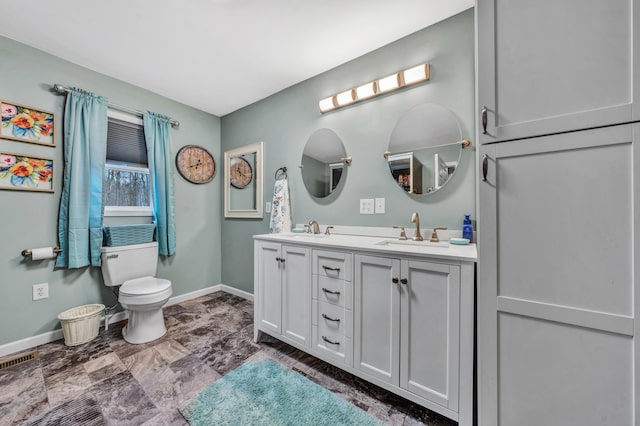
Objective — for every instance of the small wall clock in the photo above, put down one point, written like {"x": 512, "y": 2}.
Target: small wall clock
{"x": 195, "y": 164}
{"x": 240, "y": 172}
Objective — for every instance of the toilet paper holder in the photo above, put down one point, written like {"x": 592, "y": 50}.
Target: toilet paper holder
{"x": 27, "y": 252}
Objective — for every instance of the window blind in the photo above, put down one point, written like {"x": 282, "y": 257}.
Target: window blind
{"x": 125, "y": 142}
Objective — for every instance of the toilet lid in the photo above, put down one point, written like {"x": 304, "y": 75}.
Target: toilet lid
{"x": 145, "y": 285}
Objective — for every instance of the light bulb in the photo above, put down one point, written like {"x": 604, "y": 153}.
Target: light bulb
{"x": 326, "y": 104}
{"x": 388, "y": 83}
{"x": 345, "y": 98}
{"x": 415, "y": 74}
{"x": 366, "y": 90}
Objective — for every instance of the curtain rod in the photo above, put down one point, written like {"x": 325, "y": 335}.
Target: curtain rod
{"x": 61, "y": 90}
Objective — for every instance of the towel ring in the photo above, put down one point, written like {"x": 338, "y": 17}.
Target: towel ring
{"x": 282, "y": 172}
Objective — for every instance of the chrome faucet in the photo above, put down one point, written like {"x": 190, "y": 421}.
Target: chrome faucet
{"x": 416, "y": 219}
{"x": 314, "y": 227}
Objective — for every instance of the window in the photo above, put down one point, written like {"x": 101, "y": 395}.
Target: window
{"x": 127, "y": 187}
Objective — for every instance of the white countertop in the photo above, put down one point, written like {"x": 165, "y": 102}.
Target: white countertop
{"x": 442, "y": 250}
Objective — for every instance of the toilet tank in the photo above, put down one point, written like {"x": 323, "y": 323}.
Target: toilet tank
{"x": 123, "y": 263}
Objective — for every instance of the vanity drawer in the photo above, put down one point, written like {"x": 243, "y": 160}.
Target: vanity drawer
{"x": 332, "y": 345}
{"x": 332, "y": 290}
{"x": 333, "y": 264}
{"x": 332, "y": 318}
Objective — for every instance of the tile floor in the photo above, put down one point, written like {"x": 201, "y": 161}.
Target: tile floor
{"x": 144, "y": 384}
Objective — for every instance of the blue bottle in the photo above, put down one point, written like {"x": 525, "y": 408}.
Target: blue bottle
{"x": 467, "y": 228}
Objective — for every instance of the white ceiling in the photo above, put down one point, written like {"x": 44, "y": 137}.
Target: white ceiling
{"x": 216, "y": 55}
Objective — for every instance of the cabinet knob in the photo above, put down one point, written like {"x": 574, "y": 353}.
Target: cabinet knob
{"x": 278, "y": 259}
{"x": 404, "y": 281}
{"x": 394, "y": 280}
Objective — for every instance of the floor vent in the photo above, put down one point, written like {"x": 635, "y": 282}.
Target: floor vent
{"x": 21, "y": 359}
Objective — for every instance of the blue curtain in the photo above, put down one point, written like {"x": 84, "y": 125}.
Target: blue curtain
{"x": 156, "y": 134}
{"x": 85, "y": 145}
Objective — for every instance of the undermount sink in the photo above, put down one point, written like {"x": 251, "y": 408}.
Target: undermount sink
{"x": 305, "y": 235}
{"x": 425, "y": 243}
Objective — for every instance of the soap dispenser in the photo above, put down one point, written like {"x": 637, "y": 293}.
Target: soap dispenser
{"x": 467, "y": 228}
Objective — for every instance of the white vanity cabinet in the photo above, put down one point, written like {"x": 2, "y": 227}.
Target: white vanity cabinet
{"x": 283, "y": 291}
{"x": 407, "y": 325}
{"x": 400, "y": 316}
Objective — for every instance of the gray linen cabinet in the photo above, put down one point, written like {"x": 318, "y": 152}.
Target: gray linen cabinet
{"x": 558, "y": 212}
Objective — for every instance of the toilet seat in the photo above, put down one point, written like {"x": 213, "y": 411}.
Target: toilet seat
{"x": 145, "y": 290}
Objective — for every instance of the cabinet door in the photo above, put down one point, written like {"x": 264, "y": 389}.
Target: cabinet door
{"x": 296, "y": 294}
{"x": 430, "y": 325}
{"x": 549, "y": 66}
{"x": 556, "y": 281}
{"x": 377, "y": 317}
{"x": 268, "y": 287}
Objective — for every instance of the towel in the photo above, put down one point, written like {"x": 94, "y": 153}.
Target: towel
{"x": 280, "y": 208}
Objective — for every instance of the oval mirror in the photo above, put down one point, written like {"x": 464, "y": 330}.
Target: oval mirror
{"x": 323, "y": 161}
{"x": 425, "y": 148}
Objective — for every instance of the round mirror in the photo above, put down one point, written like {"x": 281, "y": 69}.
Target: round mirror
{"x": 425, "y": 148}
{"x": 323, "y": 161}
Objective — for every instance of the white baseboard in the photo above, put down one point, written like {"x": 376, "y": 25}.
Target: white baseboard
{"x": 236, "y": 292}
{"x": 52, "y": 336}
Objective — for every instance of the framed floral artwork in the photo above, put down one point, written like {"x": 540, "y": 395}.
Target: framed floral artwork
{"x": 26, "y": 124}
{"x": 25, "y": 173}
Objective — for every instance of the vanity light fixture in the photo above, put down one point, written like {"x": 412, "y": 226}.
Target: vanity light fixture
{"x": 388, "y": 84}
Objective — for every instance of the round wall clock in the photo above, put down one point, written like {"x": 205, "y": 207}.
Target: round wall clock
{"x": 240, "y": 172}
{"x": 195, "y": 164}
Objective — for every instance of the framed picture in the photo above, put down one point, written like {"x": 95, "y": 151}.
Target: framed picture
{"x": 25, "y": 173}
{"x": 25, "y": 124}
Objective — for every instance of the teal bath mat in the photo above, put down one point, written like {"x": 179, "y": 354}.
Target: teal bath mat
{"x": 265, "y": 393}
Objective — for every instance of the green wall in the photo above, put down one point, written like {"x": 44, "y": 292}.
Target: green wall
{"x": 29, "y": 219}
{"x": 287, "y": 119}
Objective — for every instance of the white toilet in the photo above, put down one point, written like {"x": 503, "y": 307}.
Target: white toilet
{"x": 141, "y": 294}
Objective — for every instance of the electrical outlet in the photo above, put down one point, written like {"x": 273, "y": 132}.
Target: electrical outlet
{"x": 379, "y": 205}
{"x": 366, "y": 206}
{"x": 40, "y": 291}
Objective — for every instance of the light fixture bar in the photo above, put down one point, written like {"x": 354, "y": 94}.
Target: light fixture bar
{"x": 405, "y": 78}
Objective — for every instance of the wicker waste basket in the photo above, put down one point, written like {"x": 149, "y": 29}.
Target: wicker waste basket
{"x": 81, "y": 324}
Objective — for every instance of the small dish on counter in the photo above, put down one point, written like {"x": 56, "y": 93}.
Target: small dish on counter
{"x": 459, "y": 241}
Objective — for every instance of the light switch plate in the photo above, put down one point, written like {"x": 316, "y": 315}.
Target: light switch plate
{"x": 267, "y": 207}
{"x": 366, "y": 206}
{"x": 379, "y": 205}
